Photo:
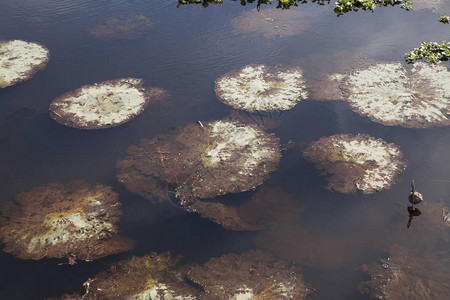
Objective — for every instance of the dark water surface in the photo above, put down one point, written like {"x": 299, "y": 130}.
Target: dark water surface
{"x": 184, "y": 52}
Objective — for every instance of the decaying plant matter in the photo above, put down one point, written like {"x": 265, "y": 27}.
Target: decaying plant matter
{"x": 202, "y": 160}
{"x": 358, "y": 162}
{"x": 250, "y": 275}
{"x": 153, "y": 276}
{"x": 104, "y": 105}
{"x": 396, "y": 94}
{"x": 76, "y": 220}
{"x": 406, "y": 274}
{"x": 20, "y": 60}
{"x": 262, "y": 88}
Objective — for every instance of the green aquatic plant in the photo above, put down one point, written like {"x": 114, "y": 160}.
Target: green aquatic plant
{"x": 444, "y": 19}
{"x": 344, "y": 6}
{"x": 432, "y": 52}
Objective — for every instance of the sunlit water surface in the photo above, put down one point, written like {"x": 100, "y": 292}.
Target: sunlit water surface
{"x": 184, "y": 52}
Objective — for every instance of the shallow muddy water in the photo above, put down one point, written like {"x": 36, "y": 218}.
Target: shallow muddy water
{"x": 328, "y": 234}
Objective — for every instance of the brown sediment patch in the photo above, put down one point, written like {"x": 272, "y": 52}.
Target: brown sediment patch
{"x": 271, "y": 22}
{"x": 396, "y": 94}
{"x": 152, "y": 276}
{"x": 250, "y": 275}
{"x": 267, "y": 206}
{"x": 20, "y": 60}
{"x": 203, "y": 160}
{"x": 104, "y": 105}
{"x": 74, "y": 219}
{"x": 358, "y": 162}
{"x": 324, "y": 72}
{"x": 406, "y": 274}
{"x": 122, "y": 27}
{"x": 262, "y": 88}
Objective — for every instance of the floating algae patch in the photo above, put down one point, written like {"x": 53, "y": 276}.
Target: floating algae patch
{"x": 149, "y": 277}
{"x": 262, "y": 88}
{"x": 271, "y": 22}
{"x": 250, "y": 275}
{"x": 122, "y": 27}
{"x": 395, "y": 94}
{"x": 20, "y": 60}
{"x": 202, "y": 160}
{"x": 104, "y": 105}
{"x": 74, "y": 219}
{"x": 406, "y": 274}
{"x": 358, "y": 162}
{"x": 267, "y": 206}
{"x": 324, "y": 72}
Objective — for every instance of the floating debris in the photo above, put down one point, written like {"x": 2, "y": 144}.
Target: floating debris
{"x": 324, "y": 72}
{"x": 395, "y": 94}
{"x": 250, "y": 275}
{"x": 74, "y": 220}
{"x": 20, "y": 60}
{"x": 271, "y": 22}
{"x": 202, "y": 160}
{"x": 267, "y": 206}
{"x": 153, "y": 276}
{"x": 407, "y": 275}
{"x": 104, "y": 105}
{"x": 262, "y": 88}
{"x": 358, "y": 162}
{"x": 122, "y": 27}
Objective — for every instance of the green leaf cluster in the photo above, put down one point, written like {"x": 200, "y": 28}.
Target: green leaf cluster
{"x": 344, "y": 6}
{"x": 444, "y": 19}
{"x": 432, "y": 52}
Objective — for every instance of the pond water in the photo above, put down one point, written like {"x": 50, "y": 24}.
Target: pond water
{"x": 184, "y": 52}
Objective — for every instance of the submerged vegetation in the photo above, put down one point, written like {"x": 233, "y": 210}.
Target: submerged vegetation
{"x": 122, "y": 27}
{"x": 202, "y": 160}
{"x": 358, "y": 162}
{"x": 76, "y": 220}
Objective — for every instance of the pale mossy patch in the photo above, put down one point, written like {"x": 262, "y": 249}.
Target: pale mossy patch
{"x": 356, "y": 162}
{"x": 101, "y": 105}
{"x": 262, "y": 88}
{"x": 20, "y": 60}
{"x": 396, "y": 94}
{"x": 160, "y": 292}
{"x": 243, "y": 293}
{"x": 231, "y": 138}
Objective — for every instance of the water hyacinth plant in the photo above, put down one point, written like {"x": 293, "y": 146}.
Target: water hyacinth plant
{"x": 432, "y": 52}
{"x": 444, "y": 19}
{"x": 344, "y": 6}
